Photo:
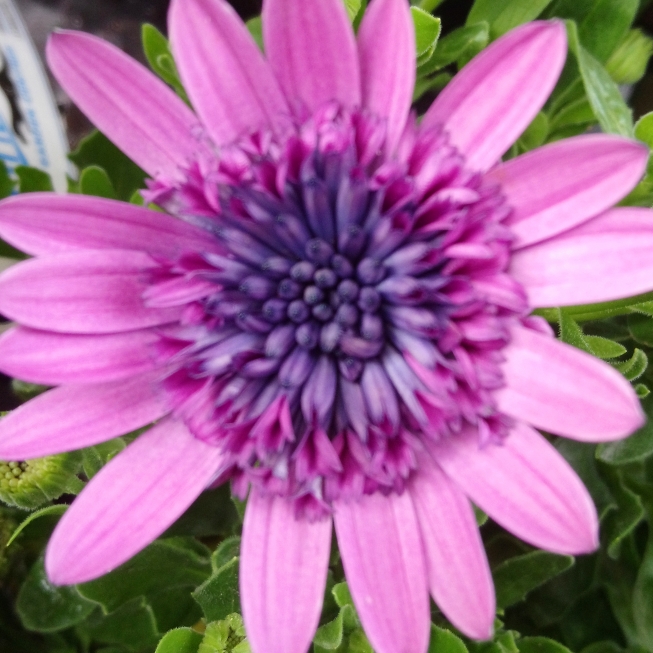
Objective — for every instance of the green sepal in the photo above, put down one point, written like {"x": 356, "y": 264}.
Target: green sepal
{"x": 604, "y": 348}
{"x": 517, "y": 576}
{"x": 180, "y": 640}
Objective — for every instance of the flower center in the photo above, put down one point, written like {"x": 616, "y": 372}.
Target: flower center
{"x": 358, "y": 306}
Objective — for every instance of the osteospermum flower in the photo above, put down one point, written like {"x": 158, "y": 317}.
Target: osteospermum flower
{"x": 333, "y": 314}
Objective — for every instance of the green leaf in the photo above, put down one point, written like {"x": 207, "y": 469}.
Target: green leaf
{"x": 635, "y": 447}
{"x": 159, "y": 56}
{"x": 571, "y": 333}
{"x": 644, "y": 133}
{"x": 535, "y": 134}
{"x": 180, "y": 640}
{"x": 516, "y": 577}
{"x": 642, "y": 390}
{"x": 358, "y": 643}
{"x": 642, "y": 593}
{"x": 634, "y": 368}
{"x": 641, "y": 329}
{"x": 541, "y": 645}
{"x": 132, "y": 625}
{"x": 613, "y": 114}
{"x": 219, "y": 596}
{"x": 582, "y": 457}
{"x": 504, "y": 15}
{"x": 329, "y": 636}
{"x": 96, "y": 149}
{"x": 225, "y": 636}
{"x": 602, "y": 24}
{"x": 427, "y": 30}
{"x": 163, "y": 564}
{"x": 46, "y": 608}
{"x": 6, "y": 182}
{"x": 255, "y": 27}
{"x": 444, "y": 641}
{"x": 95, "y": 181}
{"x": 456, "y": 45}
{"x": 604, "y": 348}
{"x": 94, "y": 458}
{"x": 32, "y": 180}
{"x": 49, "y": 511}
{"x": 225, "y": 553}
{"x": 628, "y": 62}
{"x": 342, "y": 595}
{"x": 622, "y": 520}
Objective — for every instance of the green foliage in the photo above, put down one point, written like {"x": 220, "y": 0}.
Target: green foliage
{"x": 32, "y": 180}
{"x": 427, "y": 33}
{"x": 159, "y": 56}
{"x": 28, "y": 484}
{"x": 628, "y": 62}
{"x": 180, "y": 640}
{"x": 219, "y": 596}
{"x": 504, "y": 15}
{"x": 255, "y": 27}
{"x": 604, "y": 97}
{"x": 98, "y": 151}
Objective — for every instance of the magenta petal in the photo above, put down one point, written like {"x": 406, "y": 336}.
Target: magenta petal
{"x": 44, "y": 223}
{"x": 56, "y": 358}
{"x": 563, "y": 390}
{"x": 312, "y": 51}
{"x": 130, "y": 502}
{"x": 76, "y": 416}
{"x": 82, "y": 292}
{"x": 382, "y": 554}
{"x": 559, "y": 186}
{"x": 283, "y": 570}
{"x": 607, "y": 258}
{"x": 125, "y": 101}
{"x": 459, "y": 575}
{"x": 226, "y": 76}
{"x": 386, "y": 46}
{"x": 495, "y": 97}
{"x": 526, "y": 486}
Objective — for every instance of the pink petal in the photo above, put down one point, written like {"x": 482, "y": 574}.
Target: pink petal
{"x": 383, "y": 557}
{"x": 494, "y": 98}
{"x": 82, "y": 292}
{"x": 526, "y": 486}
{"x": 76, "y": 416}
{"x": 135, "y": 109}
{"x": 283, "y": 570}
{"x": 606, "y": 258}
{"x": 563, "y": 390}
{"x": 130, "y": 502}
{"x": 386, "y": 47}
{"x": 44, "y": 223}
{"x": 459, "y": 575}
{"x": 312, "y": 51}
{"x": 559, "y": 186}
{"x": 226, "y": 76}
{"x": 56, "y": 358}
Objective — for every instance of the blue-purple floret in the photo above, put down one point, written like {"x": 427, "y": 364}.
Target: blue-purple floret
{"x": 359, "y": 306}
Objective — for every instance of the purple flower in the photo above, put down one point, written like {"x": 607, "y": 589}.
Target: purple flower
{"x": 333, "y": 314}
